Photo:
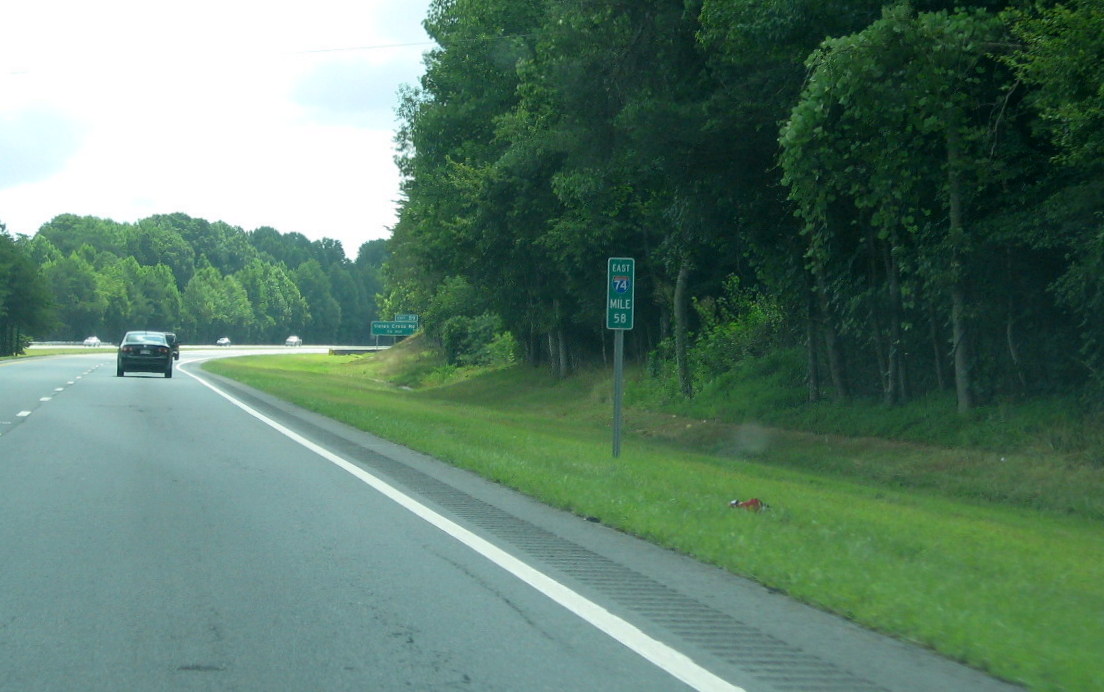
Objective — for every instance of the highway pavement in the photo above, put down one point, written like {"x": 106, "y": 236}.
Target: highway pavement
{"x": 193, "y": 534}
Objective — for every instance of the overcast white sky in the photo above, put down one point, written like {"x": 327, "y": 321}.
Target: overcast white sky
{"x": 252, "y": 112}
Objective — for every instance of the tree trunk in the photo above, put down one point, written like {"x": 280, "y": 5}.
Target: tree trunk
{"x": 1010, "y": 330}
{"x": 682, "y": 329}
{"x": 879, "y": 340}
{"x": 556, "y": 353}
{"x": 961, "y": 347}
{"x": 557, "y": 344}
{"x": 664, "y": 298}
{"x": 881, "y": 354}
{"x": 532, "y": 345}
{"x": 564, "y": 365}
{"x": 937, "y": 348}
{"x": 956, "y": 235}
{"x": 12, "y": 345}
{"x": 812, "y": 367}
{"x": 1014, "y": 351}
{"x": 836, "y": 369}
{"x": 895, "y": 378}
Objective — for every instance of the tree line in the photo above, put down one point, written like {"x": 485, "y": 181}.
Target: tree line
{"x": 23, "y": 295}
{"x": 82, "y": 275}
{"x": 906, "y": 195}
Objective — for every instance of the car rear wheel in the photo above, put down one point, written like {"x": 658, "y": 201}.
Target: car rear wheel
{"x": 168, "y": 371}
{"x": 118, "y": 371}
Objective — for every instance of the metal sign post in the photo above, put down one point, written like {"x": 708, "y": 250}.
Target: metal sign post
{"x": 620, "y": 288}
{"x": 618, "y": 387}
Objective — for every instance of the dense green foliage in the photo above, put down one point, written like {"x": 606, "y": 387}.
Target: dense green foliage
{"x": 913, "y": 191}
{"x": 200, "y": 279}
{"x": 24, "y": 299}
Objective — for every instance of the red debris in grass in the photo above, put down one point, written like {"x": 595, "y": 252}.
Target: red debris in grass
{"x": 752, "y": 505}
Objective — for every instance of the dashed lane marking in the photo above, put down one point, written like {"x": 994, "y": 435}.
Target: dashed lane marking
{"x": 44, "y": 399}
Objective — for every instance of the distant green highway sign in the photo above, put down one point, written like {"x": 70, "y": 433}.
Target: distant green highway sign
{"x": 395, "y": 328}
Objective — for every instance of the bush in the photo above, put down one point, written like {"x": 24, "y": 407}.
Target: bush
{"x": 455, "y": 301}
{"x": 741, "y": 324}
{"x": 740, "y": 327}
{"x": 504, "y": 349}
{"x": 477, "y": 341}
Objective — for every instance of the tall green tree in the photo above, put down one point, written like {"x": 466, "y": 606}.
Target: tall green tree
{"x": 26, "y": 308}
{"x": 68, "y": 233}
{"x": 155, "y": 241}
{"x": 357, "y": 306}
{"x": 214, "y": 306}
{"x": 80, "y": 303}
{"x": 278, "y": 307}
{"x": 893, "y": 120}
{"x": 124, "y": 306}
{"x": 143, "y": 297}
{"x": 625, "y": 84}
{"x": 1060, "y": 57}
{"x": 368, "y": 271}
{"x": 158, "y": 286}
{"x": 325, "y": 311}
{"x": 448, "y": 147}
{"x": 292, "y": 249}
{"x": 225, "y": 247}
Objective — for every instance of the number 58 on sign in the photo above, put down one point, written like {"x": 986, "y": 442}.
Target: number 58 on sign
{"x": 620, "y": 284}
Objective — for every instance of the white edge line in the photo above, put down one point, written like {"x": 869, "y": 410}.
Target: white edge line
{"x": 663, "y": 656}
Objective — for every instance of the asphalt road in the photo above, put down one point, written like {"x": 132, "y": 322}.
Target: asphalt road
{"x": 191, "y": 534}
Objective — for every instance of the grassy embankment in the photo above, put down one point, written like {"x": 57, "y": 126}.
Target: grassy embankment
{"x": 995, "y": 558}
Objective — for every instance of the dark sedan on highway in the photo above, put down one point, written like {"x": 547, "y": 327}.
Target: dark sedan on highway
{"x": 144, "y": 352}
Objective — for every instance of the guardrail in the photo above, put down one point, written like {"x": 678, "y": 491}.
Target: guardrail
{"x": 356, "y": 351}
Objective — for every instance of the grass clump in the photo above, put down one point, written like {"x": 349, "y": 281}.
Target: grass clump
{"x": 933, "y": 544}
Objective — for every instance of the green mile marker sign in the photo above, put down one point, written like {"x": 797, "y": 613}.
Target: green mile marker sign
{"x": 620, "y": 284}
{"x": 620, "y": 289}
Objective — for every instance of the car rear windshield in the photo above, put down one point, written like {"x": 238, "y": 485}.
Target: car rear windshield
{"x": 158, "y": 339}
